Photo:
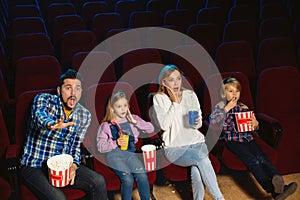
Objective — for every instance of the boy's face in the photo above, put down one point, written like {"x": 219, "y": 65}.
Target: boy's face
{"x": 120, "y": 108}
{"x": 231, "y": 92}
{"x": 70, "y": 92}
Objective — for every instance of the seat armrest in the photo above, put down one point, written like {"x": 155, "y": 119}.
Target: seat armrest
{"x": 12, "y": 159}
{"x": 270, "y": 129}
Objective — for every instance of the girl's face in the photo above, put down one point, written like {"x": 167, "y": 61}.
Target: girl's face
{"x": 120, "y": 108}
{"x": 173, "y": 81}
{"x": 231, "y": 92}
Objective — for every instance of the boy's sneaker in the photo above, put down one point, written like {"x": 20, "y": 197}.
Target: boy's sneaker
{"x": 288, "y": 190}
{"x": 278, "y": 184}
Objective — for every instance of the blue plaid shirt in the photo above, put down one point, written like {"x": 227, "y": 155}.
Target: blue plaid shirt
{"x": 229, "y": 131}
{"x": 42, "y": 143}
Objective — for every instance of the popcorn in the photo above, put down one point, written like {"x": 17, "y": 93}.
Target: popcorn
{"x": 59, "y": 167}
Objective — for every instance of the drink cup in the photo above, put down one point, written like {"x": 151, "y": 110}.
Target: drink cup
{"x": 124, "y": 136}
{"x": 193, "y": 115}
{"x": 149, "y": 155}
{"x": 59, "y": 167}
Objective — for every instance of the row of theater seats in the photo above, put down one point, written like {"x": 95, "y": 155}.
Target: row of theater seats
{"x": 261, "y": 86}
{"x": 267, "y": 20}
{"x": 278, "y": 136}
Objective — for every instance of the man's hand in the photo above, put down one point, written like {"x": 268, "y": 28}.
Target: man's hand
{"x": 72, "y": 174}
{"x": 59, "y": 124}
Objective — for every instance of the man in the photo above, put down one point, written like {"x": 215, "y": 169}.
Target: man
{"x": 58, "y": 124}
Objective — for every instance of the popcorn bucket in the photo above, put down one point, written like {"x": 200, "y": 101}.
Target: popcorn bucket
{"x": 59, "y": 167}
{"x": 242, "y": 119}
{"x": 149, "y": 155}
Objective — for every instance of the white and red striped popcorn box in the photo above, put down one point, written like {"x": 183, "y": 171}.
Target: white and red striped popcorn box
{"x": 149, "y": 155}
{"x": 242, "y": 121}
{"x": 59, "y": 167}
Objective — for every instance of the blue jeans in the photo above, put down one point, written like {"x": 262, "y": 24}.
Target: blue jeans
{"x": 256, "y": 161}
{"x": 129, "y": 168}
{"x": 196, "y": 156}
{"x": 86, "y": 179}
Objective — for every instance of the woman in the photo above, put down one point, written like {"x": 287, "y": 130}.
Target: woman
{"x": 184, "y": 143}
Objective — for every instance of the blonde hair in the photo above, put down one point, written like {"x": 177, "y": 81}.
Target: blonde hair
{"x": 229, "y": 81}
{"x": 164, "y": 73}
{"x": 109, "y": 115}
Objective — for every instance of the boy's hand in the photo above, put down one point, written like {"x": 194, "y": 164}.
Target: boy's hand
{"x": 231, "y": 104}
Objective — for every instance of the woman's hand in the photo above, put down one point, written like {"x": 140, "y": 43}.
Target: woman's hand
{"x": 130, "y": 118}
{"x": 59, "y": 124}
{"x": 171, "y": 94}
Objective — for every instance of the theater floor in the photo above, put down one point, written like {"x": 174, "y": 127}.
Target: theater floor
{"x": 235, "y": 185}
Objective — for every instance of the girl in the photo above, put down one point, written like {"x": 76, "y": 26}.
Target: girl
{"x": 184, "y": 143}
{"x": 243, "y": 144}
{"x": 125, "y": 163}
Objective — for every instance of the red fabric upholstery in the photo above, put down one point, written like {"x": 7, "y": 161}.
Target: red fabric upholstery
{"x": 284, "y": 108}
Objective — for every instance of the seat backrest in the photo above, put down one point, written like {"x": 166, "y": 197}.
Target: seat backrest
{"x": 182, "y": 19}
{"x": 4, "y": 99}
{"x": 207, "y": 35}
{"x": 73, "y": 42}
{"x": 275, "y": 27}
{"x": 103, "y": 22}
{"x": 241, "y": 30}
{"x": 273, "y": 9}
{"x": 22, "y": 25}
{"x": 243, "y": 12}
{"x": 64, "y": 23}
{"x": 59, "y": 8}
{"x": 89, "y": 9}
{"x": 277, "y": 51}
{"x": 277, "y": 91}
{"x": 88, "y": 65}
{"x": 25, "y": 10}
{"x": 191, "y": 5}
{"x": 237, "y": 56}
{"x": 3, "y": 144}
{"x": 23, "y": 108}
{"x": 216, "y": 15}
{"x": 33, "y": 44}
{"x": 125, "y": 8}
{"x": 35, "y": 73}
{"x": 139, "y": 19}
{"x": 212, "y": 97}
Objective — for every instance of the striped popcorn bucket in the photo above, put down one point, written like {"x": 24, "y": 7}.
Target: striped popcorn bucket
{"x": 149, "y": 155}
{"x": 59, "y": 167}
{"x": 242, "y": 121}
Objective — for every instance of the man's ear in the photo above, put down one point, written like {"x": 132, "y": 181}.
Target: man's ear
{"x": 58, "y": 90}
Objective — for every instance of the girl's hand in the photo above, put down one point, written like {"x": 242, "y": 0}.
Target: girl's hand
{"x": 121, "y": 141}
{"x": 231, "y": 104}
{"x": 59, "y": 124}
{"x": 130, "y": 118}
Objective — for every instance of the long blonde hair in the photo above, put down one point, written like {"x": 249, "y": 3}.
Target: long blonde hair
{"x": 109, "y": 114}
{"x": 164, "y": 73}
